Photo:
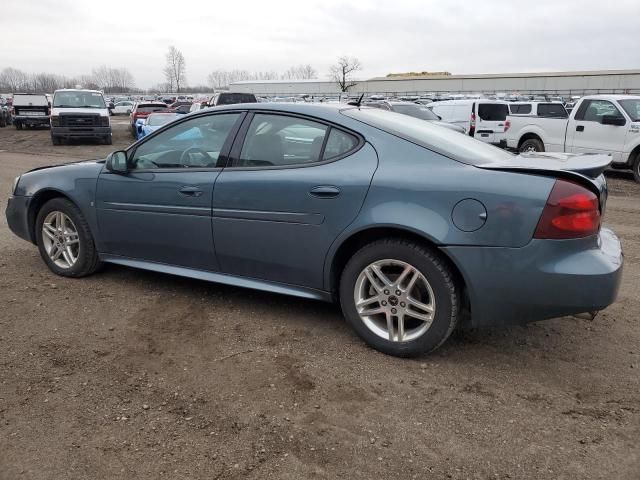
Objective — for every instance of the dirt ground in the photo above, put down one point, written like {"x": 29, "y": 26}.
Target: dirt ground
{"x": 132, "y": 375}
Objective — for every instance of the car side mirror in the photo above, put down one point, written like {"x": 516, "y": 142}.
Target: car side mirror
{"x": 111, "y": 106}
{"x": 439, "y": 117}
{"x": 117, "y": 162}
{"x": 613, "y": 120}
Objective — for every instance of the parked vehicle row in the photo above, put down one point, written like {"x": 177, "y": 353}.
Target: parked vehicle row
{"x": 608, "y": 124}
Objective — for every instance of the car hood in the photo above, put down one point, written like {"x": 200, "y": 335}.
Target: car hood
{"x": 103, "y": 112}
{"x": 65, "y": 177}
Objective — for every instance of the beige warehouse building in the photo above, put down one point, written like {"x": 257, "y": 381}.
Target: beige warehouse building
{"x": 563, "y": 83}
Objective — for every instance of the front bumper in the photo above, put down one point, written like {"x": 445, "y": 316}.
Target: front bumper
{"x": 17, "y": 213}
{"x": 80, "y": 132}
{"x": 545, "y": 279}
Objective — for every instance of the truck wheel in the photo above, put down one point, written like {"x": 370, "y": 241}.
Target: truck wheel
{"x": 107, "y": 140}
{"x": 636, "y": 168}
{"x": 18, "y": 125}
{"x": 55, "y": 140}
{"x": 531, "y": 145}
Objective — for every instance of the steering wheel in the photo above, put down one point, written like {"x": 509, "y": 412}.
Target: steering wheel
{"x": 192, "y": 150}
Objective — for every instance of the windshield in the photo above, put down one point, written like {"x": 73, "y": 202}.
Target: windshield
{"x": 78, "y": 99}
{"x": 632, "y": 107}
{"x": 440, "y": 140}
{"x": 415, "y": 111}
{"x": 157, "y": 120}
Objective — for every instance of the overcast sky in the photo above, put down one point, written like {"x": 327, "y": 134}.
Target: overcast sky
{"x": 71, "y": 37}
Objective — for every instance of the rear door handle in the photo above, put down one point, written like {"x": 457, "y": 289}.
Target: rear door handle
{"x": 580, "y": 128}
{"x": 325, "y": 191}
{"x": 191, "y": 191}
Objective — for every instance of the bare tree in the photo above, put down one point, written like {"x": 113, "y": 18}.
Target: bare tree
{"x": 342, "y": 72}
{"x": 14, "y": 80}
{"x": 175, "y": 69}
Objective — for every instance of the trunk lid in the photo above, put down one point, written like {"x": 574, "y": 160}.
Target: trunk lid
{"x": 586, "y": 169}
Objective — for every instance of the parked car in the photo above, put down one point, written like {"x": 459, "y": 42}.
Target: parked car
{"x": 142, "y": 110}
{"x": 182, "y": 109}
{"x": 122, "y": 108}
{"x": 145, "y": 126}
{"x": 481, "y": 119}
{"x": 409, "y": 226}
{"x": 230, "y": 98}
{"x": 415, "y": 110}
{"x": 197, "y": 106}
{"x": 30, "y": 110}
{"x": 608, "y": 124}
{"x": 78, "y": 113}
{"x": 538, "y": 109}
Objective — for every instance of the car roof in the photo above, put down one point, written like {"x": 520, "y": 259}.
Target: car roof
{"x": 611, "y": 97}
{"x": 77, "y": 90}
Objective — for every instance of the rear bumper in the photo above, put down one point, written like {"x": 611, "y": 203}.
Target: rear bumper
{"x": 545, "y": 279}
{"x": 17, "y": 214}
{"x": 31, "y": 120}
{"x": 82, "y": 132}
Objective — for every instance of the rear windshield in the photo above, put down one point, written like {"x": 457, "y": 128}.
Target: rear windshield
{"x": 150, "y": 107}
{"x": 233, "y": 98}
{"x": 444, "y": 141}
{"x": 416, "y": 111}
{"x": 30, "y": 100}
{"x": 493, "y": 112}
{"x": 78, "y": 99}
{"x": 552, "y": 110}
{"x": 157, "y": 120}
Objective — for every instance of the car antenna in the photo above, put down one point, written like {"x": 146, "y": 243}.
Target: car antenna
{"x": 357, "y": 102}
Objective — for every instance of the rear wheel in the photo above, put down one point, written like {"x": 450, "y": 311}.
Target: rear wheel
{"x": 636, "y": 168}
{"x": 531, "y": 145}
{"x": 64, "y": 239}
{"x": 400, "y": 297}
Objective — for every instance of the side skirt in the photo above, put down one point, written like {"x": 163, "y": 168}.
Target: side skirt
{"x": 253, "y": 283}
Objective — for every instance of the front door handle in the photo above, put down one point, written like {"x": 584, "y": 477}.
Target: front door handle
{"x": 191, "y": 191}
{"x": 580, "y": 128}
{"x": 325, "y": 191}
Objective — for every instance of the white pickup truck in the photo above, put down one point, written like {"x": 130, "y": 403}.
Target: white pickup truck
{"x": 598, "y": 124}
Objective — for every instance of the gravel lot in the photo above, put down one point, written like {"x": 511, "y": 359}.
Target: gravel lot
{"x": 130, "y": 374}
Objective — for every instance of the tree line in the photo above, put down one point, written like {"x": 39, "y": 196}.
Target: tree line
{"x": 107, "y": 79}
{"x": 120, "y": 80}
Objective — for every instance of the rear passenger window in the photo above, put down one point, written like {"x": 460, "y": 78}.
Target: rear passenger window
{"x": 339, "y": 143}
{"x": 493, "y": 112}
{"x": 280, "y": 140}
{"x": 523, "y": 109}
{"x": 552, "y": 110}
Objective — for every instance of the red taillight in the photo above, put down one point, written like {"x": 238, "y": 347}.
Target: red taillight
{"x": 507, "y": 125}
{"x": 571, "y": 211}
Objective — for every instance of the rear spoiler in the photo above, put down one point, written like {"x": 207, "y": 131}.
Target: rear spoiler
{"x": 584, "y": 168}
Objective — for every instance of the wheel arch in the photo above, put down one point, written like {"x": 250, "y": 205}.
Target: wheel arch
{"x": 38, "y": 200}
{"x": 356, "y": 240}
{"x": 529, "y": 136}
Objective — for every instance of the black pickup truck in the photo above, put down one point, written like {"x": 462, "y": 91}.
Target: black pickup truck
{"x": 30, "y": 110}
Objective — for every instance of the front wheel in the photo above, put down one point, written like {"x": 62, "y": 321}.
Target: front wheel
{"x": 107, "y": 140}
{"x": 64, "y": 239}
{"x": 18, "y": 125}
{"x": 400, "y": 297}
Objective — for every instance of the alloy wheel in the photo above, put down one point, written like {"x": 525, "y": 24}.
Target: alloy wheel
{"x": 60, "y": 239}
{"x": 394, "y": 300}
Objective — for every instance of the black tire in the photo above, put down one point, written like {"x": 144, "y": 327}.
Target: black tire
{"x": 636, "y": 168}
{"x": 55, "y": 140}
{"x": 18, "y": 125}
{"x": 88, "y": 261}
{"x": 435, "y": 270}
{"x": 107, "y": 140}
{"x": 531, "y": 144}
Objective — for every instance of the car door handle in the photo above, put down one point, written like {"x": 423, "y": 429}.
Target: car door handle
{"x": 580, "y": 128}
{"x": 325, "y": 191}
{"x": 191, "y": 191}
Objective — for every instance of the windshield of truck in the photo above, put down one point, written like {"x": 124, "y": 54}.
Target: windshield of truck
{"x": 632, "y": 107}
{"x": 78, "y": 99}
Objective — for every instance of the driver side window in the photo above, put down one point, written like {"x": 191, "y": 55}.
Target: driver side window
{"x": 195, "y": 143}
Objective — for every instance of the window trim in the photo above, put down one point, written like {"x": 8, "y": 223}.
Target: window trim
{"x": 224, "y": 153}
{"x": 234, "y": 155}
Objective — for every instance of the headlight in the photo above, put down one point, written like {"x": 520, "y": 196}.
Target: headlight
{"x": 15, "y": 185}
{"x": 55, "y": 121}
{"x": 104, "y": 121}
